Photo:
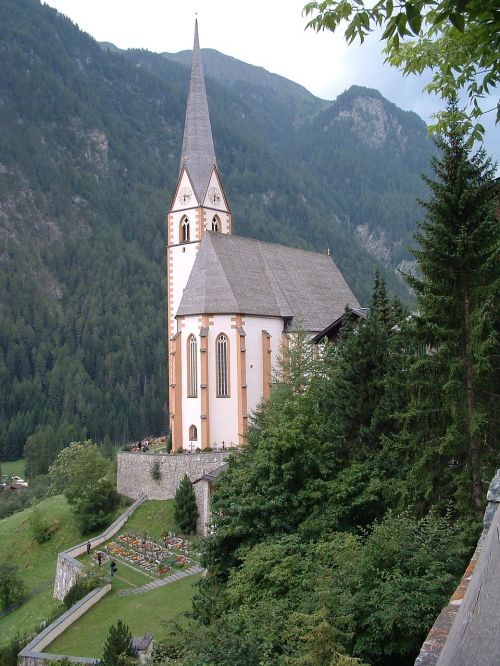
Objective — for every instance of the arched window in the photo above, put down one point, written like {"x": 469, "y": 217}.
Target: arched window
{"x": 222, "y": 365}
{"x": 192, "y": 367}
{"x": 184, "y": 231}
{"x": 193, "y": 433}
{"x": 215, "y": 223}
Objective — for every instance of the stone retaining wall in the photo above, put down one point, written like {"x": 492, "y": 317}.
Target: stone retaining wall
{"x": 69, "y": 568}
{"x": 134, "y": 472}
{"x": 33, "y": 655}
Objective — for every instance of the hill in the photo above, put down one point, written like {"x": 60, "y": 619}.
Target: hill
{"x": 89, "y": 145}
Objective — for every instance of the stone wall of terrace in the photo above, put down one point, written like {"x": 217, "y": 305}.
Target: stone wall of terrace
{"x": 134, "y": 472}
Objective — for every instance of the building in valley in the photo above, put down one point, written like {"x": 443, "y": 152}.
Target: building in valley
{"x": 232, "y": 301}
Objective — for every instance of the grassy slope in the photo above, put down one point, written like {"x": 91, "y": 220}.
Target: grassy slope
{"x": 145, "y": 612}
{"x": 13, "y": 467}
{"x": 37, "y": 566}
{"x": 36, "y": 562}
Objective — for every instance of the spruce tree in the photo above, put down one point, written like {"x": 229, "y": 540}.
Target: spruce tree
{"x": 451, "y": 425}
{"x": 186, "y": 511}
{"x": 118, "y": 648}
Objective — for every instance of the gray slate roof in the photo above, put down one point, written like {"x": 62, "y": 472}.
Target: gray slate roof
{"x": 198, "y": 154}
{"x": 236, "y": 275}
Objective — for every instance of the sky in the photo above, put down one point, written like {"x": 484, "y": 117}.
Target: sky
{"x": 267, "y": 33}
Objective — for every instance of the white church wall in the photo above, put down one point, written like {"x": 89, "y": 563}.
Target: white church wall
{"x": 253, "y": 328}
{"x": 183, "y": 257}
{"x": 191, "y": 407}
{"x": 223, "y": 411}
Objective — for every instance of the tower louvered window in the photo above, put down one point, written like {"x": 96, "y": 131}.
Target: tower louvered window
{"x": 185, "y": 235}
{"x": 215, "y": 223}
{"x": 222, "y": 348}
{"x": 192, "y": 382}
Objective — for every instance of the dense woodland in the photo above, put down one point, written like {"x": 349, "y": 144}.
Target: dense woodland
{"x": 89, "y": 147}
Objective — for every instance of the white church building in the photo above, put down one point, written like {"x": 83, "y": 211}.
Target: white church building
{"x": 231, "y": 301}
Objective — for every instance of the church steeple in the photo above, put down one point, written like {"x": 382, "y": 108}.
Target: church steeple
{"x": 198, "y": 154}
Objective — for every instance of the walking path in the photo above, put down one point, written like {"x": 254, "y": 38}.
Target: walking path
{"x": 160, "y": 583}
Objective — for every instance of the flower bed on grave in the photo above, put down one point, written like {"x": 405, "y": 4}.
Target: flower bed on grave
{"x": 155, "y": 558}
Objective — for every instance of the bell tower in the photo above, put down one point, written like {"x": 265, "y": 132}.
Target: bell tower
{"x": 198, "y": 205}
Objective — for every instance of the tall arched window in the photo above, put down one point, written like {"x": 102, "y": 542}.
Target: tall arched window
{"x": 222, "y": 365}
{"x": 193, "y": 433}
{"x": 184, "y": 231}
{"x": 192, "y": 367}
{"x": 215, "y": 223}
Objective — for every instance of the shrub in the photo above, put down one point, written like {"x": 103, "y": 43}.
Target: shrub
{"x": 94, "y": 510}
{"x": 118, "y": 647}
{"x": 155, "y": 471}
{"x": 11, "y": 585}
{"x": 82, "y": 586}
{"x": 40, "y": 527}
{"x": 9, "y": 652}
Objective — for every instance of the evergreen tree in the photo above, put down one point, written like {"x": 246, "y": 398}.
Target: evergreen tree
{"x": 186, "y": 511}
{"x": 451, "y": 425}
{"x": 118, "y": 649}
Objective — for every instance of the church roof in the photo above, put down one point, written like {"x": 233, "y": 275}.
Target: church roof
{"x": 198, "y": 154}
{"x": 236, "y": 275}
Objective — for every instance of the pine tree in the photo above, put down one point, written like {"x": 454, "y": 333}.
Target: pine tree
{"x": 451, "y": 425}
{"x": 186, "y": 511}
{"x": 118, "y": 648}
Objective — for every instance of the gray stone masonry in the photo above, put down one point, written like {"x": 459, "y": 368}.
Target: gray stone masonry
{"x": 134, "y": 472}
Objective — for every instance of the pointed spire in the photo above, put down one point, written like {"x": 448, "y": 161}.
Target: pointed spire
{"x": 198, "y": 154}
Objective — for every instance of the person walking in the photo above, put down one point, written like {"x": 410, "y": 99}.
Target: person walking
{"x": 88, "y": 547}
{"x": 113, "y": 568}
{"x": 99, "y": 557}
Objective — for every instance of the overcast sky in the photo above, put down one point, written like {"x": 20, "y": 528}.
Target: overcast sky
{"x": 269, "y": 33}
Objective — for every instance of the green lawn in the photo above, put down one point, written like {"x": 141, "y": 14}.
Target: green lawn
{"x": 152, "y": 518}
{"x": 13, "y": 467}
{"x": 144, "y": 612}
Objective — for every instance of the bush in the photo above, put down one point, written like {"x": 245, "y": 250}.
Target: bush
{"x": 155, "y": 471}
{"x": 40, "y": 527}
{"x": 80, "y": 589}
{"x": 95, "y": 509}
{"x": 186, "y": 511}
{"x": 11, "y": 585}
{"x": 9, "y": 652}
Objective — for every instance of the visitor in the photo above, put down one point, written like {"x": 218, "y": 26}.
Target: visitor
{"x": 88, "y": 547}
{"x": 113, "y": 568}
{"x": 99, "y": 557}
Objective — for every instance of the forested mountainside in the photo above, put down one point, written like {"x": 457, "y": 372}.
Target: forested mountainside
{"x": 90, "y": 140}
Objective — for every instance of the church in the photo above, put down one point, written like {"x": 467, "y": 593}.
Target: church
{"x": 231, "y": 301}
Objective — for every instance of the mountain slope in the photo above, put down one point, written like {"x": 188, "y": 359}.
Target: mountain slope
{"x": 89, "y": 152}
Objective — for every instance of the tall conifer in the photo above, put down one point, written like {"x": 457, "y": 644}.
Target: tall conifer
{"x": 451, "y": 424}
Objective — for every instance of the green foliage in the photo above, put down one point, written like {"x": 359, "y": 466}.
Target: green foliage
{"x": 186, "y": 511}
{"x": 118, "y": 650}
{"x": 77, "y": 468}
{"x": 9, "y": 652}
{"x": 82, "y": 586}
{"x": 41, "y": 529}
{"x": 401, "y": 580}
{"x": 95, "y": 508}
{"x": 78, "y": 471}
{"x": 457, "y": 40}
{"x": 155, "y": 471}
{"x": 11, "y": 585}
{"x": 37, "y": 490}
{"x": 451, "y": 424}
